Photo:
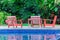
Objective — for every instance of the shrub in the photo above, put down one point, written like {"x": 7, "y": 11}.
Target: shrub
{"x": 3, "y": 16}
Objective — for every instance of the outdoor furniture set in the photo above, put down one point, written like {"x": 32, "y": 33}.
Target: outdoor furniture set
{"x": 12, "y": 21}
{"x": 34, "y": 20}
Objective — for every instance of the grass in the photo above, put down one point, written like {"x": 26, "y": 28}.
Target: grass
{"x": 25, "y": 24}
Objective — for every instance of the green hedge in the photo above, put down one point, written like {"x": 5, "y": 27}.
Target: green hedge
{"x": 23, "y": 9}
{"x": 3, "y": 16}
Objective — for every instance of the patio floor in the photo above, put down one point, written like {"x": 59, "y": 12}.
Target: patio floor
{"x": 29, "y": 27}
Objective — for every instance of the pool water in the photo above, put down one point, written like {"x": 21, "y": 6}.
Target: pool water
{"x": 29, "y": 37}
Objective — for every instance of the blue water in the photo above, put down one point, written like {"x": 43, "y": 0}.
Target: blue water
{"x": 29, "y": 31}
{"x": 25, "y": 34}
{"x": 26, "y": 37}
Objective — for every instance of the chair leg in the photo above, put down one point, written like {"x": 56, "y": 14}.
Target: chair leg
{"x": 8, "y": 26}
{"x": 13, "y": 26}
{"x": 44, "y": 25}
{"x": 21, "y": 26}
{"x": 54, "y": 26}
{"x": 32, "y": 25}
{"x": 41, "y": 24}
{"x": 16, "y": 26}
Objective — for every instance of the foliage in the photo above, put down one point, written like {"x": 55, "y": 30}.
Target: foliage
{"x": 3, "y": 16}
{"x": 23, "y": 9}
{"x": 48, "y": 7}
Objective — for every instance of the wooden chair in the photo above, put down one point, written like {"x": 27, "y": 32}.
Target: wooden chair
{"x": 35, "y": 20}
{"x": 11, "y": 21}
{"x": 53, "y": 24}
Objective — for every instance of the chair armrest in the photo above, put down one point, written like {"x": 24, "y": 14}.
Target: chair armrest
{"x": 6, "y": 21}
{"x": 29, "y": 21}
{"x": 48, "y": 19}
{"x": 9, "y": 22}
{"x": 45, "y": 20}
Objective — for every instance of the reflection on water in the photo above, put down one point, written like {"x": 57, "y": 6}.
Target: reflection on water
{"x": 29, "y": 37}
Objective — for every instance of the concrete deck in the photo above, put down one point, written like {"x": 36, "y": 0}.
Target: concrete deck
{"x": 29, "y": 27}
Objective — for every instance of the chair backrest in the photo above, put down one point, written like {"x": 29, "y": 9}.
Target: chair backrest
{"x": 55, "y": 18}
{"x": 35, "y": 19}
{"x": 11, "y": 17}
